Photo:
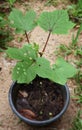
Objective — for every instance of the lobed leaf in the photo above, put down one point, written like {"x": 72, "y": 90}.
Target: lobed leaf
{"x": 43, "y": 68}
{"x": 63, "y": 71}
{"x": 30, "y": 65}
{"x": 56, "y": 22}
{"x": 22, "y": 22}
{"x": 24, "y": 72}
{"x": 25, "y": 69}
{"x": 28, "y": 52}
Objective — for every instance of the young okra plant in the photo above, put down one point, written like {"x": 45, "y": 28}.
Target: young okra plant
{"x": 30, "y": 62}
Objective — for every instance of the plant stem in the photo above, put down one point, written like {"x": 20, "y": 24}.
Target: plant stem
{"x": 27, "y": 37}
{"x": 41, "y": 53}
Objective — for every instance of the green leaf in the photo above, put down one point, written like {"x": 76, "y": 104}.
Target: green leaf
{"x": 24, "y": 72}
{"x": 22, "y": 22}
{"x": 63, "y": 71}
{"x": 14, "y": 53}
{"x": 29, "y": 65}
{"x": 25, "y": 69}
{"x": 43, "y": 68}
{"x": 28, "y": 52}
{"x": 56, "y": 22}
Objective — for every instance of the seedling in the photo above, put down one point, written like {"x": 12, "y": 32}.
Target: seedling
{"x": 77, "y": 122}
{"x": 75, "y": 11}
{"x": 74, "y": 40}
{"x": 78, "y": 90}
{"x": 79, "y": 52}
{"x": 79, "y": 63}
{"x": 11, "y": 2}
{"x": 51, "y": 2}
{"x": 56, "y": 2}
{"x": 4, "y": 34}
{"x": 30, "y": 60}
{"x": 63, "y": 50}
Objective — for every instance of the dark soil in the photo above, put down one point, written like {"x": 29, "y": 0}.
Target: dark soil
{"x": 40, "y": 100}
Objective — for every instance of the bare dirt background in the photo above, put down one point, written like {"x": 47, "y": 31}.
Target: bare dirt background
{"x": 9, "y": 121}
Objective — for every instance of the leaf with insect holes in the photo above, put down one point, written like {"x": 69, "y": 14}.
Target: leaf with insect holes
{"x": 28, "y": 51}
{"x": 56, "y": 22}
{"x": 22, "y": 22}
{"x": 30, "y": 64}
{"x": 24, "y": 72}
{"x": 25, "y": 69}
{"x": 63, "y": 71}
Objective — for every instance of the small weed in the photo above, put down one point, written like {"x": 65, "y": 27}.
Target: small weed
{"x": 79, "y": 97}
{"x": 77, "y": 122}
{"x": 78, "y": 90}
{"x": 75, "y": 11}
{"x": 79, "y": 63}
{"x": 63, "y": 50}
{"x": 11, "y": 3}
{"x": 78, "y": 77}
{"x": 79, "y": 52}
{"x": 5, "y": 34}
{"x": 75, "y": 39}
{"x": 51, "y": 2}
{"x": 56, "y": 2}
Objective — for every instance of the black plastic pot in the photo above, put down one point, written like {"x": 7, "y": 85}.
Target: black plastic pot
{"x": 12, "y": 98}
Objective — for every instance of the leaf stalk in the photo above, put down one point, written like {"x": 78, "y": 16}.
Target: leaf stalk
{"x": 27, "y": 37}
{"x": 41, "y": 53}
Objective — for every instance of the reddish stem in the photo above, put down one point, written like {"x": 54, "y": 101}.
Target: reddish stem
{"x": 27, "y": 37}
{"x": 41, "y": 53}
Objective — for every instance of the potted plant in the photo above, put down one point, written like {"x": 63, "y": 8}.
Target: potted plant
{"x": 39, "y": 94}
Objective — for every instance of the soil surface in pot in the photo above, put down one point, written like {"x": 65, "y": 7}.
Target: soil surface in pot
{"x": 40, "y": 100}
